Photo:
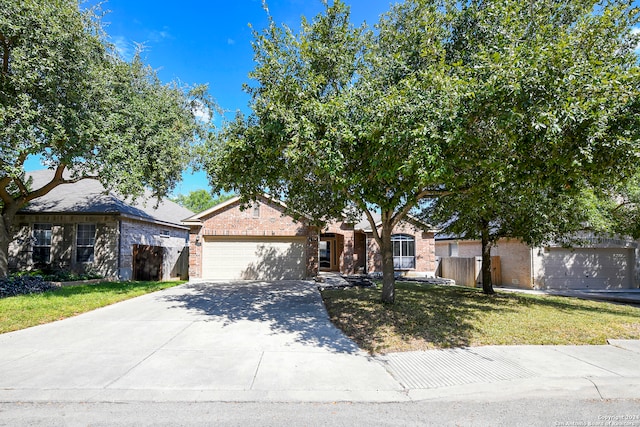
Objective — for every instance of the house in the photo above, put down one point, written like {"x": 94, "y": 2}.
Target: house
{"x": 81, "y": 227}
{"x": 264, "y": 243}
{"x": 600, "y": 263}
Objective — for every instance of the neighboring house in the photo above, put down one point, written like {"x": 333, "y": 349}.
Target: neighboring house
{"x": 262, "y": 242}
{"x": 82, "y": 227}
{"x": 600, "y": 263}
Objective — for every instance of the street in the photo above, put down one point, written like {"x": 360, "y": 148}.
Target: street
{"x": 483, "y": 412}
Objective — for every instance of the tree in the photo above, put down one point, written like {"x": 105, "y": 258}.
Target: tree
{"x": 200, "y": 200}
{"x": 66, "y": 97}
{"x": 339, "y": 123}
{"x": 453, "y": 103}
{"x": 549, "y": 120}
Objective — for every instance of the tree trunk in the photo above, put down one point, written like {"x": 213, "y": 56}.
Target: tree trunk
{"x": 388, "y": 279}
{"x": 5, "y": 239}
{"x": 487, "y": 286}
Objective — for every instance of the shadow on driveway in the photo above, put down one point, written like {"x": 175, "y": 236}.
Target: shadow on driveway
{"x": 292, "y": 308}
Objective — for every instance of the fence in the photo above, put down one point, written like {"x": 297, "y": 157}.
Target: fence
{"x": 468, "y": 271}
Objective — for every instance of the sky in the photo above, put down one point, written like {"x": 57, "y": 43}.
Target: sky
{"x": 207, "y": 41}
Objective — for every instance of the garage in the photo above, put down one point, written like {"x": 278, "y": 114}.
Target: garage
{"x": 253, "y": 258}
{"x": 586, "y": 268}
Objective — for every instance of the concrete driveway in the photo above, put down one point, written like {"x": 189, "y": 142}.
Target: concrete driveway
{"x": 195, "y": 342}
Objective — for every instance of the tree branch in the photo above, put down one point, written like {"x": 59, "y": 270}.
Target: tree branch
{"x": 410, "y": 204}
{"x": 55, "y": 181}
{"x": 4, "y": 194}
{"x": 5, "y": 55}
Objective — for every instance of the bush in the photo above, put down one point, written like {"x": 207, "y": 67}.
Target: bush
{"x": 57, "y": 273}
{"x": 23, "y": 284}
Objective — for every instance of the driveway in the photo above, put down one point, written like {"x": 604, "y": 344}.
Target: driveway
{"x": 195, "y": 342}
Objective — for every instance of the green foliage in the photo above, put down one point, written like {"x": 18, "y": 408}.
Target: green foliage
{"x": 200, "y": 200}
{"x": 514, "y": 111}
{"x": 339, "y": 123}
{"x": 547, "y": 122}
{"x": 67, "y": 97}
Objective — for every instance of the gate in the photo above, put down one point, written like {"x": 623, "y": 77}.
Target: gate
{"x": 147, "y": 262}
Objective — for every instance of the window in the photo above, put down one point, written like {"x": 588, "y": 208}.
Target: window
{"x": 404, "y": 251}
{"x": 85, "y": 242}
{"x": 41, "y": 243}
{"x": 453, "y": 249}
{"x": 256, "y": 210}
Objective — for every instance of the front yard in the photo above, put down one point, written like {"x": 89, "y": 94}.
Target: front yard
{"x": 428, "y": 316}
{"x": 23, "y": 311}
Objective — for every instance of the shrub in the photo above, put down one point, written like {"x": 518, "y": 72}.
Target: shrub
{"x": 23, "y": 284}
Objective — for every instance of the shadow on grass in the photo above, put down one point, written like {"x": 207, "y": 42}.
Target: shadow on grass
{"x": 286, "y": 307}
{"x": 435, "y": 316}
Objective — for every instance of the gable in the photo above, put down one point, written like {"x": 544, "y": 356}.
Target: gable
{"x": 267, "y": 219}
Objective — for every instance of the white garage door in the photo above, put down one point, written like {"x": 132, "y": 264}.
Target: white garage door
{"x": 592, "y": 268}
{"x": 279, "y": 258}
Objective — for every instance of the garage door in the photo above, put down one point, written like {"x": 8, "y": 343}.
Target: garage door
{"x": 592, "y": 268}
{"x": 253, "y": 258}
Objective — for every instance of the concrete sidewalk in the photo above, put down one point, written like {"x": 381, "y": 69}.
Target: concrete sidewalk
{"x": 274, "y": 342}
{"x": 624, "y": 296}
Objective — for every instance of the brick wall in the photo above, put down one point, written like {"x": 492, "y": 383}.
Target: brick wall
{"x": 109, "y": 232}
{"x": 424, "y": 246}
{"x": 269, "y": 220}
{"x": 63, "y": 242}
{"x": 173, "y": 240}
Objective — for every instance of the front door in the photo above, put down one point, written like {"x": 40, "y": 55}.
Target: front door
{"x": 327, "y": 253}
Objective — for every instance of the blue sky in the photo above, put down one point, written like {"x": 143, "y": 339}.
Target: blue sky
{"x": 209, "y": 42}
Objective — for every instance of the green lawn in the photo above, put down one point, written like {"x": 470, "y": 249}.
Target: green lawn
{"x": 23, "y": 311}
{"x": 427, "y": 316}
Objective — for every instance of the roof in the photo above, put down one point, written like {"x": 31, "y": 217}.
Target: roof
{"x": 365, "y": 226}
{"x": 362, "y": 225}
{"x": 89, "y": 196}
{"x": 197, "y": 218}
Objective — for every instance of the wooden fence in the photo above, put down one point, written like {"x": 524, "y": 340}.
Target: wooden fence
{"x": 468, "y": 271}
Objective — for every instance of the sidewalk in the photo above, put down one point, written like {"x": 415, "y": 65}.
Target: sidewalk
{"x": 266, "y": 342}
{"x": 509, "y": 372}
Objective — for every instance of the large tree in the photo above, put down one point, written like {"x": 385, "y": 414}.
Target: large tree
{"x": 66, "y": 97}
{"x": 549, "y": 119}
{"x": 491, "y": 109}
{"x": 339, "y": 124}
{"x": 200, "y": 200}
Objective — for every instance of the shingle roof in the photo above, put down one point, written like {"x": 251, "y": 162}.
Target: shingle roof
{"x": 365, "y": 225}
{"x": 89, "y": 196}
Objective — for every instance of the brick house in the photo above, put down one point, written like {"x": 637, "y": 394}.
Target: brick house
{"x": 263, "y": 242}
{"x": 81, "y": 226}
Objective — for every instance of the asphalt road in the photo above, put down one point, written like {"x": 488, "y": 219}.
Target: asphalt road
{"x": 528, "y": 412}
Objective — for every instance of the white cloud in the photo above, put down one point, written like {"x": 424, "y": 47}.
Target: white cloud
{"x": 636, "y": 32}
{"x": 231, "y": 42}
{"x": 124, "y": 47}
{"x": 157, "y": 36}
{"x": 201, "y": 111}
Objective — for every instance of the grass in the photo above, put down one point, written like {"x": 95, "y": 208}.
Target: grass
{"x": 428, "y": 316}
{"x": 24, "y": 311}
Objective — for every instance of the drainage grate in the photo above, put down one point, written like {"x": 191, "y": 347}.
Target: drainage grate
{"x": 450, "y": 367}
